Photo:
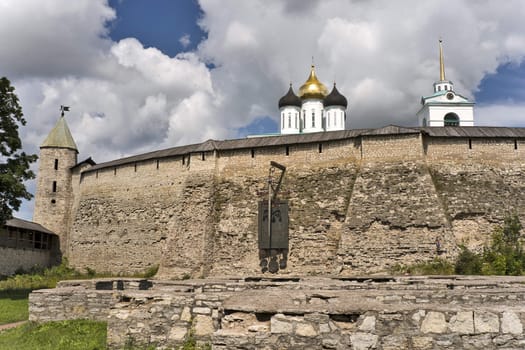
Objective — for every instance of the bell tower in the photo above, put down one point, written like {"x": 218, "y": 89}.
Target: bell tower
{"x": 54, "y": 193}
{"x": 445, "y": 107}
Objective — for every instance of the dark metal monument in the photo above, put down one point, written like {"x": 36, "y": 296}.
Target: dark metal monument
{"x": 273, "y": 224}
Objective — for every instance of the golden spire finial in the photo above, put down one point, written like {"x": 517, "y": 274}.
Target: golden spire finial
{"x": 441, "y": 62}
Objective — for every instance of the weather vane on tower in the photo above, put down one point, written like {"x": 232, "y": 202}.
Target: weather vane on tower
{"x": 64, "y": 109}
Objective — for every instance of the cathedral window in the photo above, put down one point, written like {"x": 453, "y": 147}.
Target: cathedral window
{"x": 313, "y": 118}
{"x": 289, "y": 119}
{"x": 296, "y": 119}
{"x": 439, "y": 88}
{"x": 328, "y": 119}
{"x": 56, "y": 164}
{"x": 282, "y": 117}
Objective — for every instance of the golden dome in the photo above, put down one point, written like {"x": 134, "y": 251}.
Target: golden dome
{"x": 313, "y": 88}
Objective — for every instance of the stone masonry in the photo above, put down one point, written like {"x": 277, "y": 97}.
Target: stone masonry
{"x": 359, "y": 203}
{"x": 380, "y": 312}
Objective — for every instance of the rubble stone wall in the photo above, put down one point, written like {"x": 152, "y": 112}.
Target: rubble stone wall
{"x": 302, "y": 313}
{"x": 356, "y": 205}
{"x": 12, "y": 259}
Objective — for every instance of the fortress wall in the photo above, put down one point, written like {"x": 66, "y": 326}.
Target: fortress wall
{"x": 202, "y": 161}
{"x": 478, "y": 196}
{"x": 484, "y": 149}
{"x": 123, "y": 218}
{"x": 188, "y": 250}
{"x": 13, "y": 259}
{"x": 318, "y": 187}
{"x": 390, "y": 147}
{"x": 394, "y": 217}
{"x": 318, "y": 198}
{"x": 200, "y": 218}
{"x": 299, "y": 155}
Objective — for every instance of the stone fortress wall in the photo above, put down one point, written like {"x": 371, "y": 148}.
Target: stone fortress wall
{"x": 360, "y": 201}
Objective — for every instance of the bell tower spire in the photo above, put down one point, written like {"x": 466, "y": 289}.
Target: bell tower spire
{"x": 441, "y": 62}
{"x": 445, "y": 107}
{"x": 442, "y": 84}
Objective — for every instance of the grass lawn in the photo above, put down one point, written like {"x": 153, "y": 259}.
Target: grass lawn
{"x": 13, "y": 305}
{"x": 63, "y": 335}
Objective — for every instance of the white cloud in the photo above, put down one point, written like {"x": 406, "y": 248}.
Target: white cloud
{"x": 127, "y": 99}
{"x": 185, "y": 40}
{"x": 512, "y": 115}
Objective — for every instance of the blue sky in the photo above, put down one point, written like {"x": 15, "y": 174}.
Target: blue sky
{"x": 158, "y": 23}
{"x": 506, "y": 85}
{"x": 141, "y": 75}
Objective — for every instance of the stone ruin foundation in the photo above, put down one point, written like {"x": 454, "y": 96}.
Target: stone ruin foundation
{"x": 449, "y": 312}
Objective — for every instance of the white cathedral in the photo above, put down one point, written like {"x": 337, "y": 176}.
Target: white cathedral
{"x": 316, "y": 110}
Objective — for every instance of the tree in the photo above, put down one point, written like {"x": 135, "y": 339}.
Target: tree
{"x": 14, "y": 164}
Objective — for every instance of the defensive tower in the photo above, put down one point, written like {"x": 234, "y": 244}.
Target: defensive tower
{"x": 54, "y": 193}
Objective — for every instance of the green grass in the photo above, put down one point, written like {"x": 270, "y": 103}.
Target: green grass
{"x": 13, "y": 305}
{"x": 14, "y": 290}
{"x": 63, "y": 335}
{"x": 437, "y": 266}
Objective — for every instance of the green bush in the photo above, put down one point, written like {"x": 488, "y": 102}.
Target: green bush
{"x": 504, "y": 256}
{"x": 468, "y": 263}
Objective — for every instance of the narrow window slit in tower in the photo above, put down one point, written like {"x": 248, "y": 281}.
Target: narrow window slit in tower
{"x": 96, "y": 175}
{"x": 115, "y": 171}
{"x": 469, "y": 143}
{"x": 54, "y": 186}
{"x": 56, "y": 164}
{"x": 183, "y": 160}
{"x": 157, "y": 164}
{"x": 135, "y": 166}
{"x": 320, "y": 148}
{"x": 203, "y": 156}
{"x": 287, "y": 150}
{"x": 515, "y": 144}
{"x": 253, "y": 153}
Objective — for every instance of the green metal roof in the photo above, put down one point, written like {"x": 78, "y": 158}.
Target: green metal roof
{"x": 60, "y": 137}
